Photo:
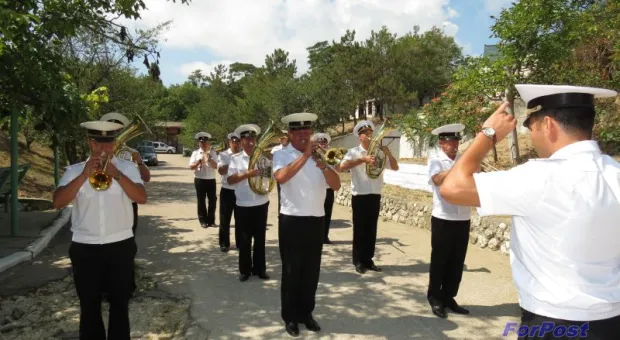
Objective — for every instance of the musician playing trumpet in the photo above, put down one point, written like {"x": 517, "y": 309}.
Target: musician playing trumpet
{"x": 450, "y": 226}
{"x": 103, "y": 246}
{"x": 323, "y": 140}
{"x": 204, "y": 162}
{"x": 366, "y": 196}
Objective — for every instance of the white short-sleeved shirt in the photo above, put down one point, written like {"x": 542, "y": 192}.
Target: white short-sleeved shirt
{"x": 441, "y": 208}
{"x": 303, "y": 194}
{"x": 244, "y": 194}
{"x": 100, "y": 217}
{"x": 565, "y": 250}
{"x": 223, "y": 160}
{"x": 361, "y": 184}
{"x": 206, "y": 172}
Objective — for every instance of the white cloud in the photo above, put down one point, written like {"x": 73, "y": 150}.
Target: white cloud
{"x": 495, "y": 6}
{"x": 247, "y": 30}
{"x": 206, "y": 68}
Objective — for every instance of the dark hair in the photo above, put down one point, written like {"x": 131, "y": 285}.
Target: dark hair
{"x": 578, "y": 121}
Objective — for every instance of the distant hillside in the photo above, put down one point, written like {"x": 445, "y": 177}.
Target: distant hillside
{"x": 39, "y": 181}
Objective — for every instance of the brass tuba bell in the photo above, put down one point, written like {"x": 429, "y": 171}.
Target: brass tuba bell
{"x": 261, "y": 159}
{"x": 375, "y": 169}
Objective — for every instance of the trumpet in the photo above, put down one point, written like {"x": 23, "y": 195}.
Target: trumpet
{"x": 331, "y": 156}
{"x": 101, "y": 180}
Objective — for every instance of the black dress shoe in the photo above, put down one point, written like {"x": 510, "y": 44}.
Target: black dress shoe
{"x": 312, "y": 325}
{"x": 327, "y": 241}
{"x": 263, "y": 276}
{"x": 360, "y": 269}
{"x": 373, "y": 267}
{"x": 292, "y": 328}
{"x": 204, "y": 225}
{"x": 439, "y": 310}
{"x": 244, "y": 277}
{"x": 224, "y": 249}
{"x": 456, "y": 308}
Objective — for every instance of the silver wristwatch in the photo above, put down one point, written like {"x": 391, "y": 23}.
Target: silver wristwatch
{"x": 489, "y": 132}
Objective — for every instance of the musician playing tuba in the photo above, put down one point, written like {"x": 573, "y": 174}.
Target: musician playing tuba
{"x": 251, "y": 208}
{"x": 366, "y": 194}
{"x": 204, "y": 162}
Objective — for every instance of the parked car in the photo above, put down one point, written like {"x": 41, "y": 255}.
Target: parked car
{"x": 162, "y": 147}
{"x": 149, "y": 157}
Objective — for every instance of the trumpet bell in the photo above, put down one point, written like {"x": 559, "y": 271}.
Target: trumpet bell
{"x": 100, "y": 180}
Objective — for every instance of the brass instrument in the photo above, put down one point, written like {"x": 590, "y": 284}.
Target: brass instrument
{"x": 220, "y": 147}
{"x": 206, "y": 157}
{"x": 100, "y": 180}
{"x": 375, "y": 169}
{"x": 261, "y": 159}
{"x": 133, "y": 130}
{"x": 331, "y": 156}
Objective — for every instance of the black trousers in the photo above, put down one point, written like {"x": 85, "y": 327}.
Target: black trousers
{"x": 227, "y": 207}
{"x": 449, "y": 240}
{"x": 103, "y": 268}
{"x": 534, "y": 326}
{"x": 252, "y": 224}
{"x": 328, "y": 206}
{"x": 205, "y": 188}
{"x": 134, "y": 228}
{"x": 365, "y": 217}
{"x": 301, "y": 244}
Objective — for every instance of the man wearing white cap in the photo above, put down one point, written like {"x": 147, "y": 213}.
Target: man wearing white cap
{"x": 103, "y": 246}
{"x": 204, "y": 162}
{"x": 449, "y": 228}
{"x": 227, "y": 193}
{"x": 251, "y": 208}
{"x": 302, "y": 220}
{"x": 145, "y": 173}
{"x": 366, "y": 196}
{"x": 565, "y": 210}
{"x": 323, "y": 140}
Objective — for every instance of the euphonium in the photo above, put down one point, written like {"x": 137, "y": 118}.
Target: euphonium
{"x": 261, "y": 159}
{"x": 133, "y": 130}
{"x": 101, "y": 180}
{"x": 374, "y": 170}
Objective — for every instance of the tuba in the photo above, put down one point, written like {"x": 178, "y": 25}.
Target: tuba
{"x": 101, "y": 180}
{"x": 261, "y": 159}
{"x": 375, "y": 169}
{"x": 133, "y": 130}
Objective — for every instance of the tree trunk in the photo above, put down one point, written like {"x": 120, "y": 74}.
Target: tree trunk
{"x": 71, "y": 153}
{"x": 379, "y": 108}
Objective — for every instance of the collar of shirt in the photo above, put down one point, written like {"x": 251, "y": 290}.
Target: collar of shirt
{"x": 586, "y": 146}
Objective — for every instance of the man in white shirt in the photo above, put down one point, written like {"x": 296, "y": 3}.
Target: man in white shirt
{"x": 304, "y": 183}
{"x": 565, "y": 209}
{"x": 450, "y": 226}
{"x": 227, "y": 193}
{"x": 251, "y": 208}
{"x": 366, "y": 196}
{"x": 103, "y": 247}
{"x": 204, "y": 162}
{"x": 145, "y": 173}
{"x": 323, "y": 140}
{"x": 283, "y": 144}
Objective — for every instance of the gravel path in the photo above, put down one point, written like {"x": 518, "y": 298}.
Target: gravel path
{"x": 185, "y": 260}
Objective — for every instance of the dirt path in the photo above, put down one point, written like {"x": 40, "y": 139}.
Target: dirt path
{"x": 185, "y": 259}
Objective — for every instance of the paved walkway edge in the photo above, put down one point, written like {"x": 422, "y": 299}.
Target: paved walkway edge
{"x": 37, "y": 246}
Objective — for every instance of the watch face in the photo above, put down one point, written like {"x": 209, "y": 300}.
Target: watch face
{"x": 489, "y": 131}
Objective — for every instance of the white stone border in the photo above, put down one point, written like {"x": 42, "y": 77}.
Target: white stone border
{"x": 40, "y": 243}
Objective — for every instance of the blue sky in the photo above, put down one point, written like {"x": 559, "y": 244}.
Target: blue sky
{"x": 209, "y": 32}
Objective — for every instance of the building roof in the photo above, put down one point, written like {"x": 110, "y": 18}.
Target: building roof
{"x": 170, "y": 124}
{"x": 491, "y": 51}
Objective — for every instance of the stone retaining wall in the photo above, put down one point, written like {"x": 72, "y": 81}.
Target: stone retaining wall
{"x": 486, "y": 232}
